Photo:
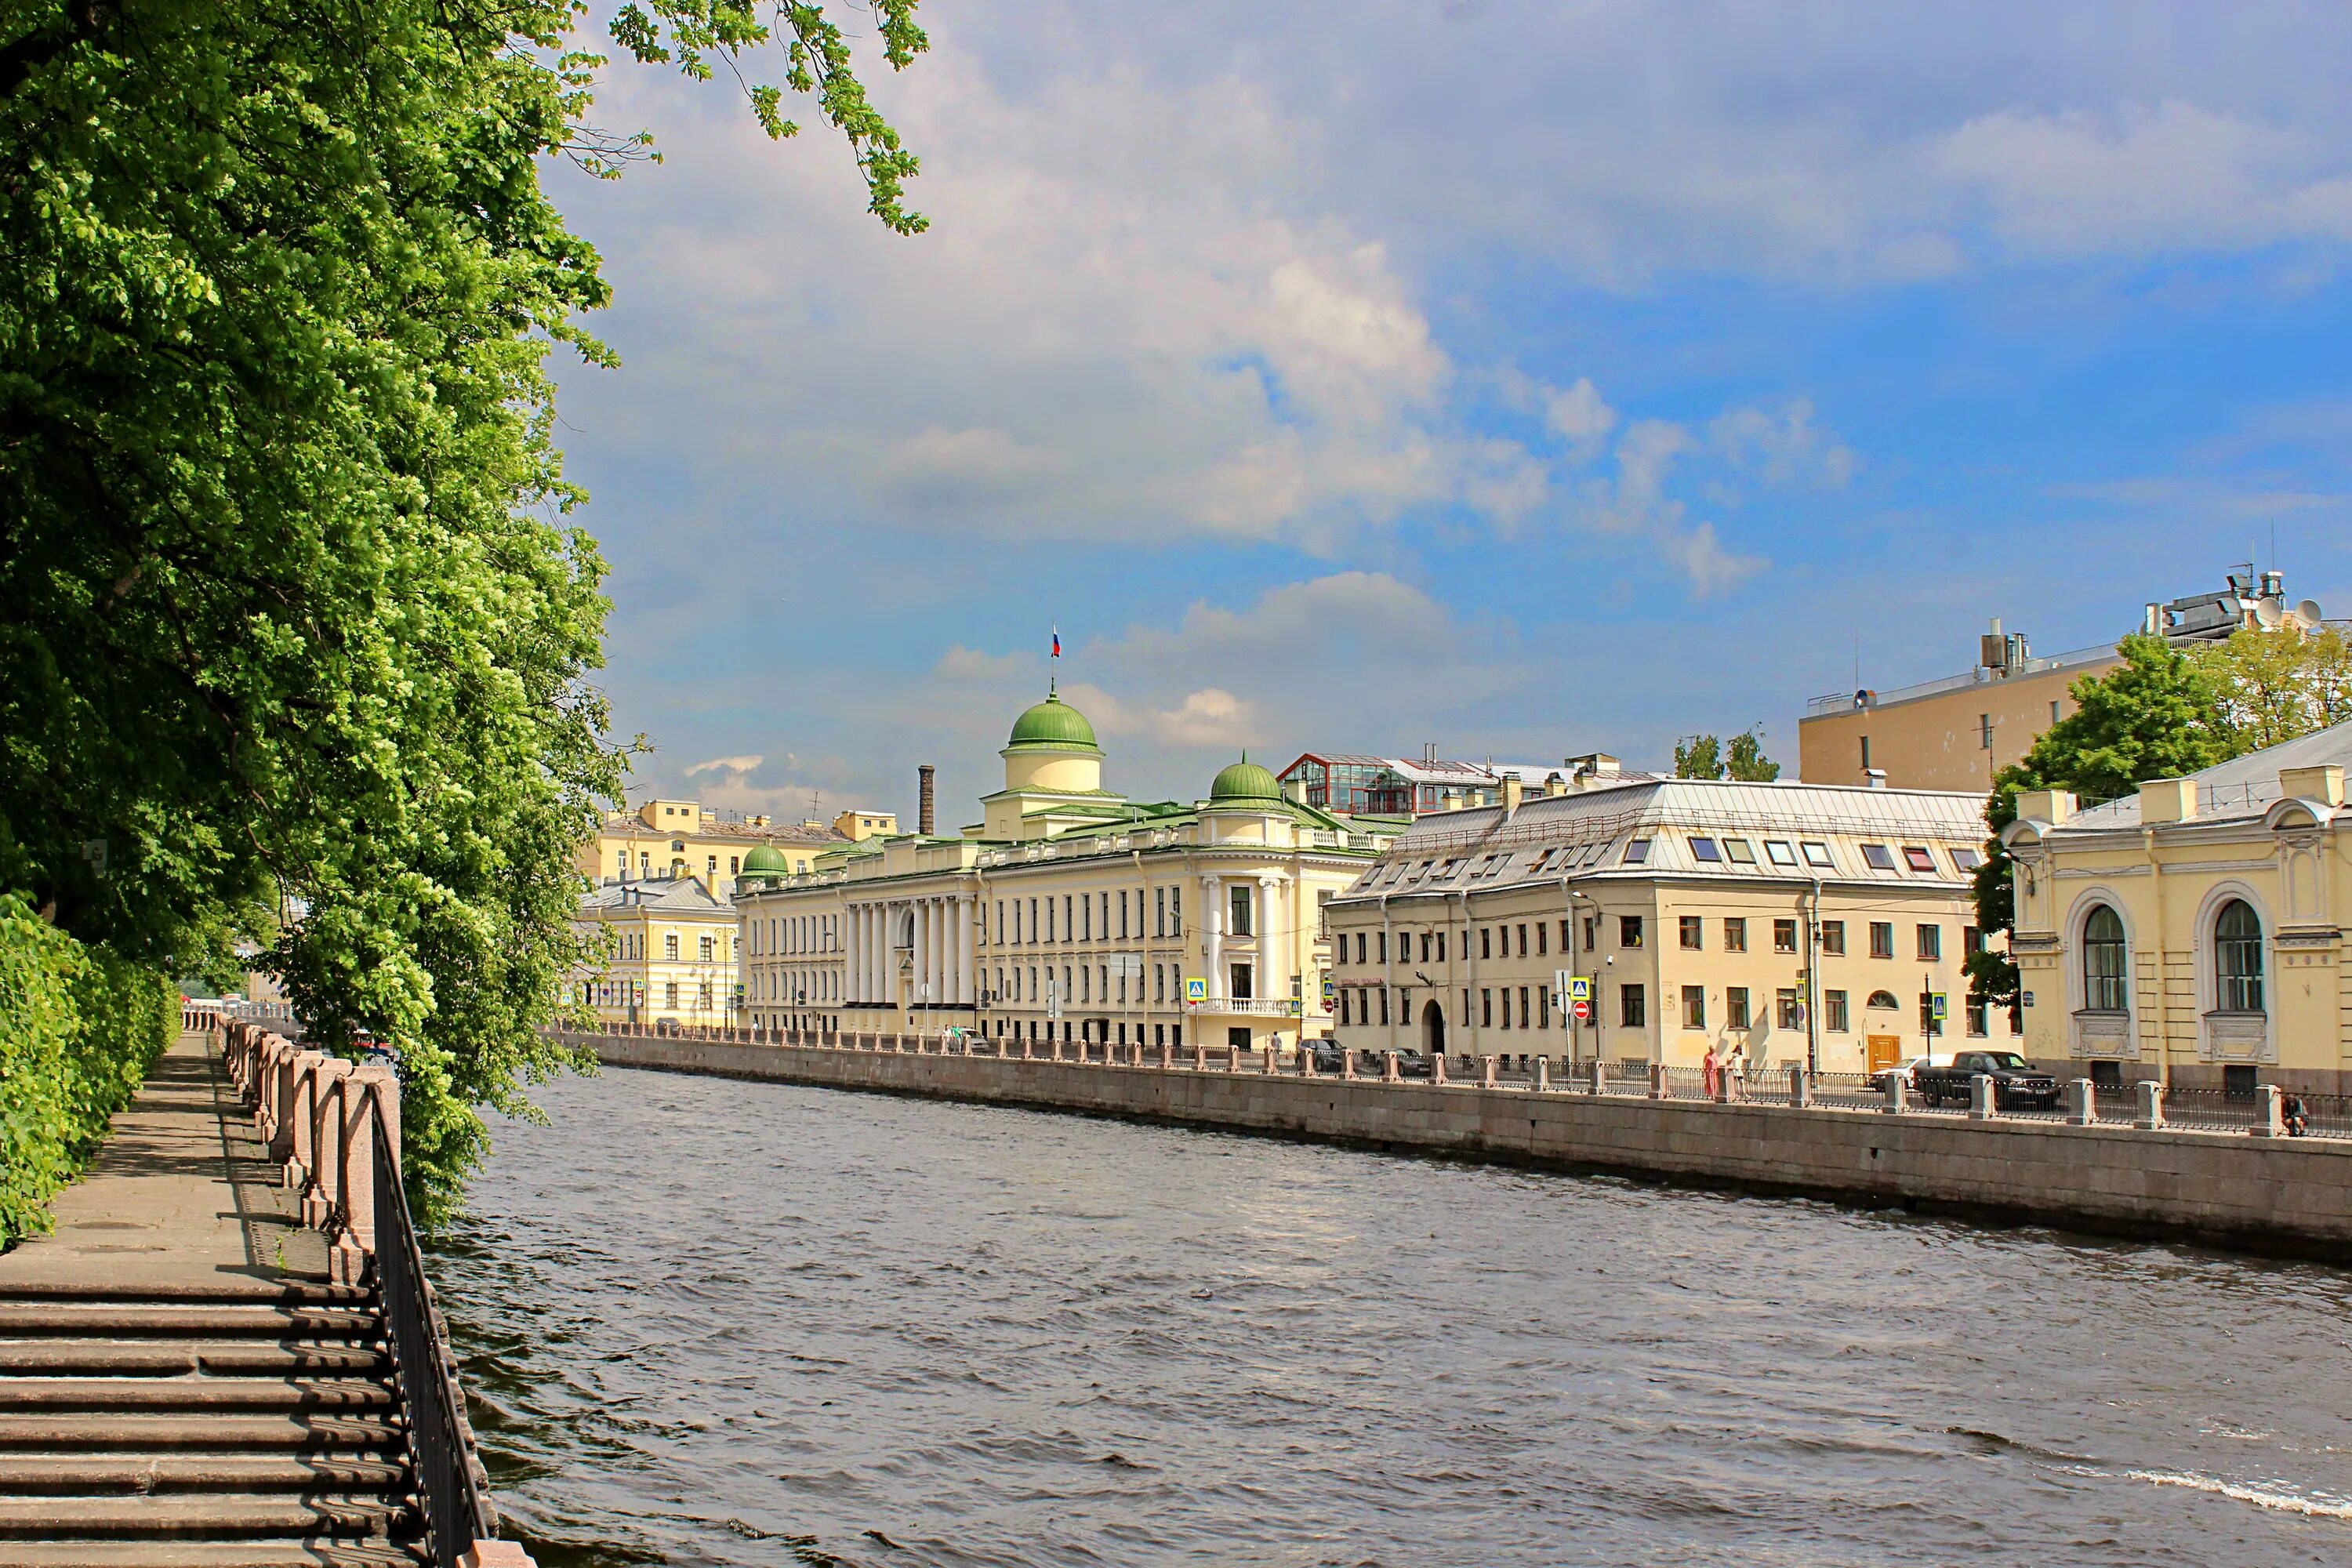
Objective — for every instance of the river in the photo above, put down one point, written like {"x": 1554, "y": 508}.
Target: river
{"x": 707, "y": 1322}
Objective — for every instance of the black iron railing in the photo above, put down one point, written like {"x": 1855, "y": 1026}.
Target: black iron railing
{"x": 453, "y": 1489}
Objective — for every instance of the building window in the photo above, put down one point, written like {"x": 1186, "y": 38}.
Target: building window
{"x": 1345, "y": 1019}
{"x": 1833, "y": 1013}
{"x": 1976, "y": 1012}
{"x": 1931, "y": 943}
{"x": 705, "y": 951}
{"x": 1967, "y": 859}
{"x": 2104, "y": 989}
{"x": 1694, "y": 932}
{"x": 1878, "y": 856}
{"x": 1784, "y": 936}
{"x": 669, "y": 945}
{"x": 669, "y": 991}
{"x": 1523, "y": 941}
{"x": 1383, "y": 948}
{"x": 1735, "y": 1007}
{"x": 1882, "y": 1002}
{"x": 1819, "y": 855}
{"x": 1832, "y": 936}
{"x": 1779, "y": 851}
{"x": 1159, "y": 911}
{"x": 1637, "y": 850}
{"x": 1865, "y": 753}
{"x": 1543, "y": 1005}
{"x": 706, "y": 996}
{"x": 1741, "y": 852}
{"x": 1591, "y": 932}
{"x": 1785, "y": 1003}
{"x": 1735, "y": 934}
{"x": 1486, "y": 1008}
{"x": 1384, "y": 1004}
{"x": 1694, "y": 1007}
{"x": 1882, "y": 939}
{"x": 1628, "y": 930}
{"x": 1632, "y": 1007}
{"x": 1916, "y": 856}
{"x": 1485, "y": 944}
{"x": 1704, "y": 849}
{"x": 2053, "y": 710}
{"x": 2238, "y": 958}
{"x": 1175, "y": 911}
{"x": 1543, "y": 940}
{"x": 714, "y": 864}
{"x": 1243, "y": 983}
{"x": 1984, "y": 731}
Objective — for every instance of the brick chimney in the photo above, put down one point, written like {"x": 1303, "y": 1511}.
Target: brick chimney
{"x": 925, "y": 803}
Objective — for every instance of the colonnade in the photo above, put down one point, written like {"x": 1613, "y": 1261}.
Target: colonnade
{"x": 935, "y": 933}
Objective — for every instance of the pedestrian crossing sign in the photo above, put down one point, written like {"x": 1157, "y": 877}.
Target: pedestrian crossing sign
{"x": 1579, "y": 988}
{"x": 1196, "y": 990}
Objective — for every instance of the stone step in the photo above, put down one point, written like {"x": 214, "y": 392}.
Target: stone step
{"x": 92, "y": 1394}
{"x": 219, "y": 1288}
{"x": 218, "y": 1358}
{"x": 217, "y": 1515}
{"x": 150, "y": 1320}
{"x": 314, "y": 1551}
{"x": 220, "y": 1431}
{"x": 90, "y": 1473}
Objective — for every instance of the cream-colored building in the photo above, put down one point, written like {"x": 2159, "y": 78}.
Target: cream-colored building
{"x": 1068, "y": 911}
{"x": 1956, "y": 731}
{"x": 670, "y": 948}
{"x": 663, "y": 840}
{"x": 1785, "y": 922}
{"x": 2193, "y": 931}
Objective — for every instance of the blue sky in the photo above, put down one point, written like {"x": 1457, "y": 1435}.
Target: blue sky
{"x": 1530, "y": 379}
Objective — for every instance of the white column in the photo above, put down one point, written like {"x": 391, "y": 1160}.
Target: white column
{"x": 963, "y": 951}
{"x": 1212, "y": 918}
{"x": 1273, "y": 957}
{"x": 853, "y": 954}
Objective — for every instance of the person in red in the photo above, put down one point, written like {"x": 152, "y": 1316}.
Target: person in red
{"x": 1710, "y": 1072}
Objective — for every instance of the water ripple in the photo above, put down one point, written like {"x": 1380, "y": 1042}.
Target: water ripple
{"x": 710, "y": 1322}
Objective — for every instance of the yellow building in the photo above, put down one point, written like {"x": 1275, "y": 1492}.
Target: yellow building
{"x": 2194, "y": 933}
{"x": 671, "y": 948}
{"x": 1783, "y": 922}
{"x": 667, "y": 839}
{"x": 1067, "y": 913}
{"x": 1956, "y": 731}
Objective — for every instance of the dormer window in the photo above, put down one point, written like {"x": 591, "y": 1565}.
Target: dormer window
{"x": 1878, "y": 857}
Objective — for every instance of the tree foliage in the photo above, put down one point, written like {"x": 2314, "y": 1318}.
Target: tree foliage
{"x": 1708, "y": 757}
{"x": 2154, "y": 716}
{"x": 2273, "y": 687}
{"x": 301, "y": 630}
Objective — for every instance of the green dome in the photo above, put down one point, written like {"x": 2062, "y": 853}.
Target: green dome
{"x": 1053, "y": 725}
{"x": 1245, "y": 780}
{"x": 766, "y": 860}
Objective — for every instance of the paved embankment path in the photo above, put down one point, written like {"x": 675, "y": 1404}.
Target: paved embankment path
{"x": 2282, "y": 1196}
{"x": 178, "y": 1384}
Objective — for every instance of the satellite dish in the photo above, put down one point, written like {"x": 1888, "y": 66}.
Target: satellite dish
{"x": 2269, "y": 615}
{"x": 2307, "y": 612}
{"x": 1862, "y": 699}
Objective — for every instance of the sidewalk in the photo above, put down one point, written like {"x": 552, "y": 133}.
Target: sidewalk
{"x": 179, "y": 1200}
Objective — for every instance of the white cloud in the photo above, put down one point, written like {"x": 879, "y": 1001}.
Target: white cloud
{"x": 1578, "y": 415}
{"x": 966, "y": 664}
{"x": 1782, "y": 445}
{"x": 724, "y": 766}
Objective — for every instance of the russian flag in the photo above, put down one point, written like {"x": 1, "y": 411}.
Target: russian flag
{"x": 1058, "y": 642}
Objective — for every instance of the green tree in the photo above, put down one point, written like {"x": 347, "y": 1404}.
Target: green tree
{"x": 2154, "y": 716}
{"x": 1698, "y": 757}
{"x": 301, "y": 630}
{"x": 1704, "y": 757}
{"x": 2275, "y": 686}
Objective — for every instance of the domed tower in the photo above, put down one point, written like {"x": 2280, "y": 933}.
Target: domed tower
{"x": 1245, "y": 784}
{"x": 763, "y": 867}
{"x": 1051, "y": 762}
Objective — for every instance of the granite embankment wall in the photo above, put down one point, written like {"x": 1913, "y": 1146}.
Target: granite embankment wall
{"x": 2290, "y": 1196}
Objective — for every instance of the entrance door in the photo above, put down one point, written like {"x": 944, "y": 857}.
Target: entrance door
{"x": 1885, "y": 1050}
{"x": 1432, "y": 1029}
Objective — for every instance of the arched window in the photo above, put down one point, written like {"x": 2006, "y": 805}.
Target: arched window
{"x": 2104, "y": 990}
{"x": 2238, "y": 958}
{"x": 1882, "y": 999}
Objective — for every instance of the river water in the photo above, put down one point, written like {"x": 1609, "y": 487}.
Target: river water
{"x": 706, "y": 1321}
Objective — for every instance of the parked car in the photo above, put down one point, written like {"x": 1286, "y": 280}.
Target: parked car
{"x": 1412, "y": 1064}
{"x": 2013, "y": 1082}
{"x": 1907, "y": 1071}
{"x": 1329, "y": 1057}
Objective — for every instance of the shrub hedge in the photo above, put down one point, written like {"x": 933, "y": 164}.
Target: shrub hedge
{"x": 78, "y": 1029}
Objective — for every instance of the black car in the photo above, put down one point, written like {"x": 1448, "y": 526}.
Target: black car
{"x": 2014, "y": 1084}
{"x": 1329, "y": 1057}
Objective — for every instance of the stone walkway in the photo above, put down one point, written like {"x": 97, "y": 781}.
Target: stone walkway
{"x": 179, "y": 1199}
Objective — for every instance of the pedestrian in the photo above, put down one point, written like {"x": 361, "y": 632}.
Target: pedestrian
{"x": 2291, "y": 1113}
{"x": 1710, "y": 1071}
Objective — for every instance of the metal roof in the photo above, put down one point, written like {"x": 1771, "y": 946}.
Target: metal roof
{"x": 2242, "y": 787}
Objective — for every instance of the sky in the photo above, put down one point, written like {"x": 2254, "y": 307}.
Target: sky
{"x": 1530, "y": 379}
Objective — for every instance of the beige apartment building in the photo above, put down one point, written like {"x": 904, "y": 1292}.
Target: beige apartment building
{"x": 1777, "y": 922}
{"x": 1956, "y": 731}
{"x": 2193, "y": 931}
{"x": 663, "y": 840}
{"x": 1068, "y": 911}
{"x": 671, "y": 953}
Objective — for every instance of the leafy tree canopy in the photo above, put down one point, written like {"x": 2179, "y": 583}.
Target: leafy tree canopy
{"x": 2273, "y": 687}
{"x": 1707, "y": 757}
{"x": 301, "y": 625}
